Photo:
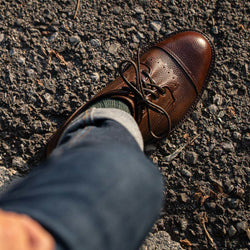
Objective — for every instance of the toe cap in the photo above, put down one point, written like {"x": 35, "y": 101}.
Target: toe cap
{"x": 193, "y": 52}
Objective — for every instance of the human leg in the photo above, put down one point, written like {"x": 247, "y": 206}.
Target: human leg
{"x": 97, "y": 190}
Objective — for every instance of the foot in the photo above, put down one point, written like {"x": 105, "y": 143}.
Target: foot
{"x": 161, "y": 87}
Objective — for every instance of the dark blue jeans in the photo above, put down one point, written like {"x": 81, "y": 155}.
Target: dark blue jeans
{"x": 96, "y": 191}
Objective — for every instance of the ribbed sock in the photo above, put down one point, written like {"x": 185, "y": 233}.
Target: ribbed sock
{"x": 112, "y": 103}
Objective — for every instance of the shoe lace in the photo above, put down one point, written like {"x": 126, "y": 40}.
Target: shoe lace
{"x": 141, "y": 87}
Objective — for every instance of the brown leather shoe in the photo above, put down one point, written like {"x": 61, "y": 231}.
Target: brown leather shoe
{"x": 161, "y": 86}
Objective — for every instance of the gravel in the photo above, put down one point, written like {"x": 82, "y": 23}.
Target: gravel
{"x": 95, "y": 42}
{"x": 156, "y": 26}
{"x": 39, "y": 90}
{"x": 1, "y": 37}
{"x": 191, "y": 157}
{"x": 74, "y": 39}
{"x": 232, "y": 231}
{"x": 160, "y": 240}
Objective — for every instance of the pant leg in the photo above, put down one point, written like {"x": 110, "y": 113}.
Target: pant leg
{"x": 96, "y": 191}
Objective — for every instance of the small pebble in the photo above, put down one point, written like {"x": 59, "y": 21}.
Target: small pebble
{"x": 248, "y": 233}
{"x": 48, "y": 98}
{"x": 232, "y": 231}
{"x": 155, "y": 160}
{"x": 21, "y": 60}
{"x": 156, "y": 26}
{"x": 75, "y": 39}
{"x": 240, "y": 192}
{"x": 183, "y": 197}
{"x": 192, "y": 11}
{"x": 161, "y": 223}
{"x": 215, "y": 30}
{"x": 160, "y": 240}
{"x": 186, "y": 173}
{"x": 211, "y": 205}
{"x": 113, "y": 48}
{"x": 115, "y": 65}
{"x": 117, "y": 10}
{"x": 140, "y": 35}
{"x": 228, "y": 146}
{"x": 53, "y": 36}
{"x": 95, "y": 42}
{"x": 245, "y": 68}
{"x": 30, "y": 72}
{"x": 19, "y": 163}
{"x": 12, "y": 52}
{"x": 213, "y": 109}
{"x": 218, "y": 100}
{"x": 18, "y": 22}
{"x": 183, "y": 224}
{"x": 234, "y": 73}
{"x": 95, "y": 77}
{"x": 242, "y": 226}
{"x": 1, "y": 37}
{"x": 230, "y": 188}
{"x": 139, "y": 10}
{"x": 135, "y": 38}
{"x": 11, "y": 77}
{"x": 191, "y": 157}
{"x": 208, "y": 13}
{"x": 236, "y": 135}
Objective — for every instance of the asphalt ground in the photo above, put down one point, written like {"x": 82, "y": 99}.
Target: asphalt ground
{"x": 51, "y": 63}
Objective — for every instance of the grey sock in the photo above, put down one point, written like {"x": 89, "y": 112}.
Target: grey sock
{"x": 112, "y": 103}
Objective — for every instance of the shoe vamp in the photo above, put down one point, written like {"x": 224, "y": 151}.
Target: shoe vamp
{"x": 180, "y": 93}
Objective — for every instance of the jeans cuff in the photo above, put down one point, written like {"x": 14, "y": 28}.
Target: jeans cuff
{"x": 91, "y": 116}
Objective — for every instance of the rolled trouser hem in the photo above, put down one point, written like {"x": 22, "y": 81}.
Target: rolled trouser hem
{"x": 93, "y": 115}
